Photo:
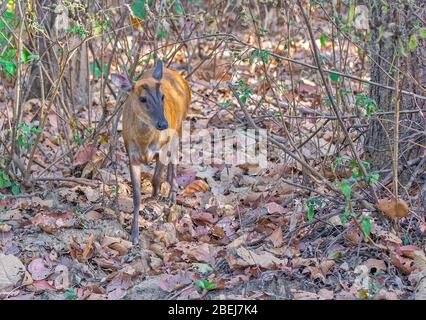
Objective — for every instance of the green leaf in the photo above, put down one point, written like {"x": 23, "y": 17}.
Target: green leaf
{"x": 334, "y": 77}
{"x": 351, "y": 13}
{"x": 162, "y": 34}
{"x": 28, "y": 57}
{"x": 263, "y": 30}
{"x": 336, "y": 163}
{"x": 138, "y": 8}
{"x": 372, "y": 178}
{"x": 312, "y": 204}
{"x": 78, "y": 29}
{"x": 205, "y": 285}
{"x": 323, "y": 40}
{"x": 310, "y": 215}
{"x": 4, "y": 180}
{"x": 366, "y": 105}
{"x": 335, "y": 255}
{"x": 179, "y": 8}
{"x": 405, "y": 241}
{"x": 413, "y": 43}
{"x": 366, "y": 226}
{"x": 422, "y": 33}
{"x": 10, "y": 20}
{"x": 8, "y": 67}
{"x": 402, "y": 49}
{"x": 252, "y": 57}
{"x": 344, "y": 218}
{"x": 70, "y": 294}
{"x": 99, "y": 27}
{"x": 96, "y": 71}
{"x": 346, "y": 189}
{"x": 16, "y": 189}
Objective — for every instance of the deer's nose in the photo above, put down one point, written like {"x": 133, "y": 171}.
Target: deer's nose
{"x": 162, "y": 125}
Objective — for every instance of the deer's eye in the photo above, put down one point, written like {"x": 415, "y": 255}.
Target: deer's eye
{"x": 162, "y": 98}
{"x": 142, "y": 99}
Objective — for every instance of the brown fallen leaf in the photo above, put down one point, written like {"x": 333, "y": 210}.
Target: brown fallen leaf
{"x": 107, "y": 263}
{"x": 203, "y": 216}
{"x": 195, "y": 186}
{"x": 199, "y": 252}
{"x": 121, "y": 246}
{"x": 393, "y": 208}
{"x": 167, "y": 234}
{"x": 37, "y": 201}
{"x": 362, "y": 281}
{"x": 61, "y": 281}
{"x": 185, "y": 228}
{"x": 315, "y": 272}
{"x": 51, "y": 223}
{"x": 91, "y": 194}
{"x": 214, "y": 71}
{"x": 28, "y": 280}
{"x": 93, "y": 165}
{"x": 11, "y": 271}
{"x": 382, "y": 294}
{"x": 125, "y": 204}
{"x": 375, "y": 265}
{"x": 326, "y": 294}
{"x": 353, "y": 235}
{"x": 93, "y": 215}
{"x": 88, "y": 247}
{"x": 186, "y": 178}
{"x": 41, "y": 286}
{"x": 5, "y": 227}
{"x": 277, "y": 237}
{"x": 84, "y": 155}
{"x": 273, "y": 208}
{"x": 326, "y": 266}
{"x": 302, "y": 262}
{"x": 174, "y": 214}
{"x": 118, "y": 286}
{"x": 345, "y": 295}
{"x": 238, "y": 242}
{"x": 305, "y": 295}
{"x": 227, "y": 210}
{"x": 264, "y": 259}
{"x": 388, "y": 236}
{"x": 177, "y": 281}
{"x": 81, "y": 251}
{"x": 405, "y": 265}
{"x": 39, "y": 269}
{"x": 91, "y": 292}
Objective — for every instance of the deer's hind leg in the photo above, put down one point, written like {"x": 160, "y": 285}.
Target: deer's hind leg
{"x": 171, "y": 179}
{"x": 157, "y": 177}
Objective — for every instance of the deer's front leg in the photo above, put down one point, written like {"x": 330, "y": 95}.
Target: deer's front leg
{"x": 171, "y": 179}
{"x": 135, "y": 176}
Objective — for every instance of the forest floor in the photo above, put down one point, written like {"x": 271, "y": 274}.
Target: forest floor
{"x": 236, "y": 232}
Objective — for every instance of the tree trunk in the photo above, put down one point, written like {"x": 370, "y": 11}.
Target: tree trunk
{"x": 391, "y": 30}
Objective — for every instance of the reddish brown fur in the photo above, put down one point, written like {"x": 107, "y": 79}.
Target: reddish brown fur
{"x": 141, "y": 138}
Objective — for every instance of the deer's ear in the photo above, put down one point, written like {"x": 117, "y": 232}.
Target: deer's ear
{"x": 121, "y": 82}
{"x": 157, "y": 72}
